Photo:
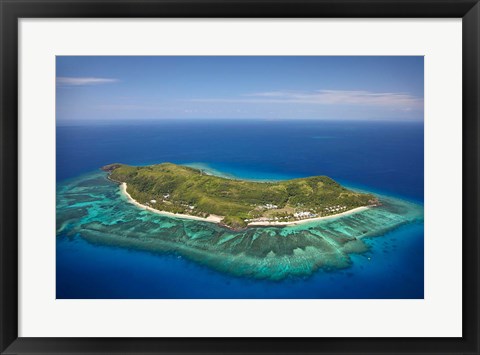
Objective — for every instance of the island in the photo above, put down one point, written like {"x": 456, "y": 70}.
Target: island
{"x": 191, "y": 193}
{"x": 98, "y": 210}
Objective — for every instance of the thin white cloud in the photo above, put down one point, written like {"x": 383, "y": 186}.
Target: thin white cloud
{"x": 83, "y": 81}
{"x": 403, "y": 101}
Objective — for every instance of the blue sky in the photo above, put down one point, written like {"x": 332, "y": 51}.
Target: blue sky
{"x": 223, "y": 87}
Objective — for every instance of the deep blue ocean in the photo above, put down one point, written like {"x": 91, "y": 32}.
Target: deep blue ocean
{"x": 381, "y": 157}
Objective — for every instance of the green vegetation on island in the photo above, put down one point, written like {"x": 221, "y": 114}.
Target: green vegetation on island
{"x": 185, "y": 190}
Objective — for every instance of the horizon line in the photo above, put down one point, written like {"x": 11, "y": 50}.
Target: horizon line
{"x": 71, "y": 122}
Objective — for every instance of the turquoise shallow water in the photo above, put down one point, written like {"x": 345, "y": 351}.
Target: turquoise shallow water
{"x": 395, "y": 270}
{"x": 91, "y": 212}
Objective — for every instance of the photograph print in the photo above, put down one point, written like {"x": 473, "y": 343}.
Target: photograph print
{"x": 239, "y": 177}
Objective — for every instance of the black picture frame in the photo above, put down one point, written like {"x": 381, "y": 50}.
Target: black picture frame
{"x": 12, "y": 11}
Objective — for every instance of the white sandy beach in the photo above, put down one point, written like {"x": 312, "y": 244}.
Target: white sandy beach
{"x": 217, "y": 219}
{"x": 212, "y": 218}
{"x": 301, "y": 221}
